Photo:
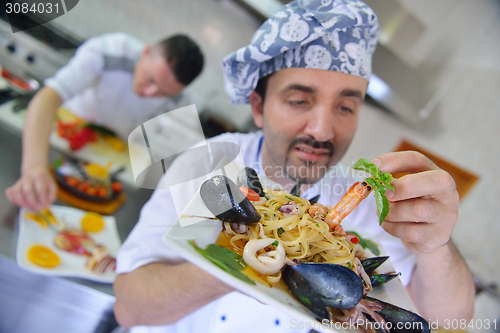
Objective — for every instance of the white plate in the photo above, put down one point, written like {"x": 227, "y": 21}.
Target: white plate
{"x": 72, "y": 265}
{"x": 205, "y": 232}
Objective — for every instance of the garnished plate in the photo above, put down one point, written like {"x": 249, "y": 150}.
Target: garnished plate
{"x": 70, "y": 264}
{"x": 205, "y": 231}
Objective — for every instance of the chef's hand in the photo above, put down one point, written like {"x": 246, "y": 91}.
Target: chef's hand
{"x": 424, "y": 205}
{"x": 36, "y": 189}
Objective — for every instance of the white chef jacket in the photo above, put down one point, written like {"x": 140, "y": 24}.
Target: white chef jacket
{"x": 236, "y": 312}
{"x": 97, "y": 85}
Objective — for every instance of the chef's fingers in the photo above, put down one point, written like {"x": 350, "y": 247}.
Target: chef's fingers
{"x": 419, "y": 237}
{"x": 14, "y": 195}
{"x": 404, "y": 161}
{"x": 42, "y": 186}
{"x": 417, "y": 210}
{"x": 52, "y": 193}
{"x": 28, "y": 194}
{"x": 433, "y": 184}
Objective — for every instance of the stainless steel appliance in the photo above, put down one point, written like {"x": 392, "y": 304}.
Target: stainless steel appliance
{"x": 36, "y": 53}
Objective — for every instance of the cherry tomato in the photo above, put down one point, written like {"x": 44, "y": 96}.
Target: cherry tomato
{"x": 83, "y": 186}
{"x": 352, "y": 238}
{"x": 250, "y": 194}
{"x": 116, "y": 186}
{"x": 102, "y": 191}
{"x": 92, "y": 190}
{"x": 72, "y": 181}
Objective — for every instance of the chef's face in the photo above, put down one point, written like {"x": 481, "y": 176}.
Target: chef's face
{"x": 153, "y": 76}
{"x": 309, "y": 117}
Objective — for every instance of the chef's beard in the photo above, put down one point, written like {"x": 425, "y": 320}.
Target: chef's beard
{"x": 313, "y": 172}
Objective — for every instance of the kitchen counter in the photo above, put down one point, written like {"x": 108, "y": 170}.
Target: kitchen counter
{"x": 38, "y": 296}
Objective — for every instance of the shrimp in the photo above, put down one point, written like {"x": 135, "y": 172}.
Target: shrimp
{"x": 317, "y": 211}
{"x": 239, "y": 228}
{"x": 346, "y": 205}
{"x": 267, "y": 263}
{"x": 339, "y": 231}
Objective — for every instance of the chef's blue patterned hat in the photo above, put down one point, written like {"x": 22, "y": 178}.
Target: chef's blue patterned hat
{"x": 338, "y": 35}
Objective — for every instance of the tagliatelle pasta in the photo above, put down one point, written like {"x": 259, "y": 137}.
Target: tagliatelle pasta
{"x": 303, "y": 237}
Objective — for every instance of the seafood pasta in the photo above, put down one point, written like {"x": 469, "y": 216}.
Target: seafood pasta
{"x": 285, "y": 238}
{"x": 290, "y": 230}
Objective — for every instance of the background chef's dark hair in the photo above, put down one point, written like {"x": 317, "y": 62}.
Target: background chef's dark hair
{"x": 184, "y": 56}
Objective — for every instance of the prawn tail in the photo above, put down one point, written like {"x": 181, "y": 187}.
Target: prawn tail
{"x": 350, "y": 200}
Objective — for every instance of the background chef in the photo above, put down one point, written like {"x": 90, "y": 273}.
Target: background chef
{"x": 113, "y": 80}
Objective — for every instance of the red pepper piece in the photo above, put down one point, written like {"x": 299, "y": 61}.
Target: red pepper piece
{"x": 352, "y": 238}
{"x": 81, "y": 138}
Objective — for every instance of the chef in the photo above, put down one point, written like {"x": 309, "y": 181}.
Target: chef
{"x": 113, "y": 80}
{"x": 305, "y": 76}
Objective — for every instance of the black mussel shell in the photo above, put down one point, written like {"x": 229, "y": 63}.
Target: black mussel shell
{"x": 379, "y": 279}
{"x": 296, "y": 189}
{"x": 402, "y": 321}
{"x": 225, "y": 200}
{"x": 318, "y": 286}
{"x": 371, "y": 264}
{"x": 314, "y": 200}
{"x": 248, "y": 177}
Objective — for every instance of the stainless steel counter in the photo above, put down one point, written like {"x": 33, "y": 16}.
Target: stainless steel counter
{"x": 42, "y": 304}
{"x": 53, "y": 298}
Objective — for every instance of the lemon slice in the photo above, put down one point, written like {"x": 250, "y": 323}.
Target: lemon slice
{"x": 37, "y": 218}
{"x": 92, "y": 222}
{"x": 97, "y": 171}
{"x": 43, "y": 217}
{"x": 43, "y": 256}
{"x": 48, "y": 214}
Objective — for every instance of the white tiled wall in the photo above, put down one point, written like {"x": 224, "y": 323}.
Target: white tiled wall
{"x": 462, "y": 129}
